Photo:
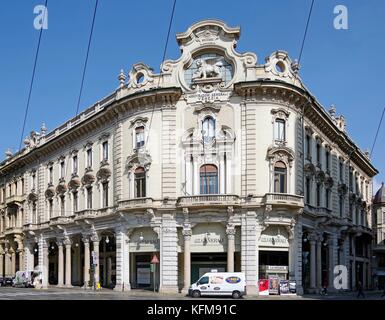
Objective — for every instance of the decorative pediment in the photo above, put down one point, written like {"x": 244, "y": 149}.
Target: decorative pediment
{"x": 280, "y": 153}
{"x": 279, "y": 64}
{"x": 61, "y": 187}
{"x": 140, "y": 75}
{"x": 75, "y": 182}
{"x": 104, "y": 172}
{"x": 138, "y": 158}
{"x": 138, "y": 121}
{"x": 32, "y": 196}
{"x": 50, "y": 192}
{"x": 280, "y": 113}
{"x": 104, "y": 136}
{"x": 89, "y": 177}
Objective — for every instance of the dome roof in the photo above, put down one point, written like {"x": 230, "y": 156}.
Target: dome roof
{"x": 380, "y": 195}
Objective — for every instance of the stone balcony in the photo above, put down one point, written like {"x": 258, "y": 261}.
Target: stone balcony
{"x": 13, "y": 230}
{"x": 211, "y": 200}
{"x": 137, "y": 203}
{"x": 91, "y": 213}
{"x": 283, "y": 200}
{"x": 59, "y": 220}
{"x": 15, "y": 199}
{"x": 318, "y": 211}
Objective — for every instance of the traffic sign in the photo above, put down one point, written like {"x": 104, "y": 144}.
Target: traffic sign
{"x": 154, "y": 259}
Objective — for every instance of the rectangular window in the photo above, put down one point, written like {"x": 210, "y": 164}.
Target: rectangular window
{"x": 62, "y": 168}
{"x": 50, "y": 208}
{"x": 341, "y": 171}
{"x": 34, "y": 214}
{"x": 308, "y": 147}
{"x": 318, "y": 195}
{"x": 33, "y": 182}
{"x": 105, "y": 150}
{"x": 89, "y": 198}
{"x": 50, "y": 174}
{"x": 279, "y": 130}
{"x": 140, "y": 184}
{"x": 62, "y": 206}
{"x": 139, "y": 137}
{"x": 318, "y": 153}
{"x": 22, "y": 186}
{"x": 327, "y": 158}
{"x": 308, "y": 190}
{"x": 75, "y": 201}
{"x": 89, "y": 158}
{"x": 75, "y": 164}
{"x": 105, "y": 194}
{"x": 350, "y": 180}
{"x": 327, "y": 196}
{"x": 341, "y": 203}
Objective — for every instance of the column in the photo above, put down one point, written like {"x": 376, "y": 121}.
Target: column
{"x": 21, "y": 259}
{"x": 222, "y": 180}
{"x": 28, "y": 257}
{"x": 60, "y": 282}
{"x": 353, "y": 261}
{"x": 109, "y": 270}
{"x": 312, "y": 263}
{"x": 86, "y": 270}
{"x": 1, "y": 264}
{"x": 104, "y": 263}
{"x": 122, "y": 259}
{"x": 196, "y": 176}
{"x": 7, "y": 262}
{"x": 331, "y": 264}
{"x": 186, "y": 259}
{"x": 250, "y": 232}
{"x": 319, "y": 263}
{"x": 230, "y": 248}
{"x": 13, "y": 262}
{"x": 68, "y": 243}
{"x": 95, "y": 242}
{"x": 43, "y": 261}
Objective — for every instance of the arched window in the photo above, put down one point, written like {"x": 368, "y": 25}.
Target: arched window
{"x": 208, "y": 129}
{"x": 140, "y": 182}
{"x": 280, "y": 177}
{"x": 208, "y": 179}
{"x": 139, "y": 137}
{"x": 279, "y": 130}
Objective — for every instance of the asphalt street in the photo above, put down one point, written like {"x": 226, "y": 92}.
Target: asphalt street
{"x": 10, "y": 293}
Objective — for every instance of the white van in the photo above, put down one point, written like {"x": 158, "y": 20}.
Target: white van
{"x": 219, "y": 284}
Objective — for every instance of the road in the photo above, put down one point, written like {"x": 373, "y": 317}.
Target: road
{"x": 9, "y": 293}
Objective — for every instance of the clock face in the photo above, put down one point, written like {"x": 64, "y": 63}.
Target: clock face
{"x": 209, "y": 66}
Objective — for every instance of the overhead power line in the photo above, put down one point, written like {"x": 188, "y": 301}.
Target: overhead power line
{"x": 378, "y": 130}
{"x": 86, "y": 60}
{"x": 305, "y": 33}
{"x": 33, "y": 77}
{"x": 161, "y": 65}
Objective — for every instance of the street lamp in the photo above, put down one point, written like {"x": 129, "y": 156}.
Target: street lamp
{"x": 141, "y": 237}
{"x": 107, "y": 240}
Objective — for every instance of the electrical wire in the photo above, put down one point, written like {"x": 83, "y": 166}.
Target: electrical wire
{"x": 161, "y": 66}
{"x": 33, "y": 77}
{"x": 305, "y": 33}
{"x": 378, "y": 129}
{"x": 86, "y": 60}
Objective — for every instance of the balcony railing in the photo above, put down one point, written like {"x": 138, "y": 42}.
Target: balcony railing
{"x": 13, "y": 230}
{"x": 284, "y": 199}
{"x": 208, "y": 199}
{"x": 136, "y": 203}
{"x": 322, "y": 211}
{"x": 61, "y": 220}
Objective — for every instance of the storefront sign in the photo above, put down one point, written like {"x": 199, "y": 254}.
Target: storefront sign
{"x": 276, "y": 241}
{"x": 208, "y": 238}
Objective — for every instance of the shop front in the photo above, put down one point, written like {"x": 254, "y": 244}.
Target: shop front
{"x": 144, "y": 244}
{"x": 209, "y": 250}
{"x": 274, "y": 253}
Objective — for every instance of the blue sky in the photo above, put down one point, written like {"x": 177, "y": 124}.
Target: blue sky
{"x": 340, "y": 67}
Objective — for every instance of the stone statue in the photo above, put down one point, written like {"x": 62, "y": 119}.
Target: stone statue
{"x": 208, "y": 68}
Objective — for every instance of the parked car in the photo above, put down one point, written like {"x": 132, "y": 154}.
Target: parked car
{"x": 6, "y": 281}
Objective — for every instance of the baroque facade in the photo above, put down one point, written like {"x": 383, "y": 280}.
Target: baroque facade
{"x": 218, "y": 162}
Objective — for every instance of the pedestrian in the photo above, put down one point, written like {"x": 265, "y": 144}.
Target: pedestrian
{"x": 360, "y": 290}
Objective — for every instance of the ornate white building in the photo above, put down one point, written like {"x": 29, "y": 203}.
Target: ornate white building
{"x": 379, "y": 238}
{"x": 218, "y": 162}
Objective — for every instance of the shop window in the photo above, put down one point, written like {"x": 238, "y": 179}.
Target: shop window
{"x": 208, "y": 179}
{"x": 280, "y": 177}
{"x": 140, "y": 182}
